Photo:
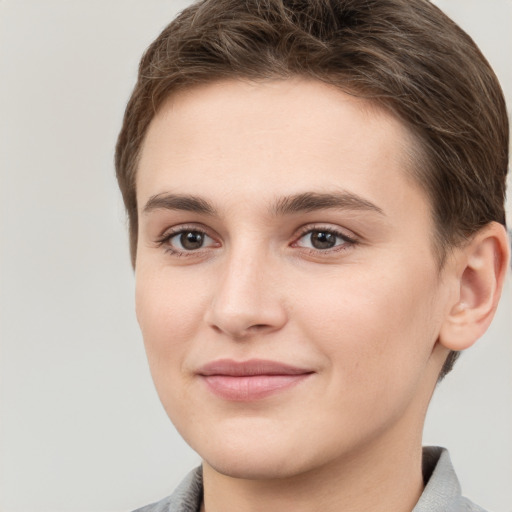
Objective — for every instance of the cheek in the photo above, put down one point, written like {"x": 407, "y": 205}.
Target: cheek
{"x": 374, "y": 330}
{"x": 169, "y": 312}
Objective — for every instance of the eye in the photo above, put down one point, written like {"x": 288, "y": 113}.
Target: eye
{"x": 186, "y": 240}
{"x": 189, "y": 240}
{"x": 323, "y": 240}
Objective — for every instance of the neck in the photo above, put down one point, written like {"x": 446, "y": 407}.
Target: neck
{"x": 376, "y": 479}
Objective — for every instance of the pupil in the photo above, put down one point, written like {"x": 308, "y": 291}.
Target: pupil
{"x": 323, "y": 240}
{"x": 191, "y": 240}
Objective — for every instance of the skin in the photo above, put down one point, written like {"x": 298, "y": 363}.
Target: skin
{"x": 364, "y": 317}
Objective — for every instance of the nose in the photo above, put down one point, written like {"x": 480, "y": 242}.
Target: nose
{"x": 247, "y": 299}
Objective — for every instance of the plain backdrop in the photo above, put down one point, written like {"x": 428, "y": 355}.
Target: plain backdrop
{"x": 81, "y": 428}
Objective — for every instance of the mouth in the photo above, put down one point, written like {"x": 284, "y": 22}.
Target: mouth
{"x": 250, "y": 380}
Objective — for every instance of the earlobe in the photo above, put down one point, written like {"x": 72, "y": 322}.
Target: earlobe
{"x": 481, "y": 266}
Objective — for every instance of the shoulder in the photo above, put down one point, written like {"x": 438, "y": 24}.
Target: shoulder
{"x": 186, "y": 498}
{"x": 442, "y": 491}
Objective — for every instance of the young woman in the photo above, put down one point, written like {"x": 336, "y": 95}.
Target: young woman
{"x": 315, "y": 192}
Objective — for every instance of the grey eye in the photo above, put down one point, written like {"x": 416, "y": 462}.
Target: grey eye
{"x": 322, "y": 239}
{"x": 190, "y": 240}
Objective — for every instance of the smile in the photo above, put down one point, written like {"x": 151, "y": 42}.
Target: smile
{"x": 250, "y": 380}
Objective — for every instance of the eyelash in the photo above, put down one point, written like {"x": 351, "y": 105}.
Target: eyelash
{"x": 348, "y": 242}
{"x": 164, "y": 240}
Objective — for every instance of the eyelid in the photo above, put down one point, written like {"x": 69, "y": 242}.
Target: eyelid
{"x": 336, "y": 230}
{"x": 169, "y": 233}
{"x": 349, "y": 240}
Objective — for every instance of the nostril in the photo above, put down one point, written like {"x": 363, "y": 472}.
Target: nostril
{"x": 258, "y": 327}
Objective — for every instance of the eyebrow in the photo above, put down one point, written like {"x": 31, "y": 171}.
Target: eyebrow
{"x": 186, "y": 203}
{"x": 311, "y": 201}
{"x": 298, "y": 203}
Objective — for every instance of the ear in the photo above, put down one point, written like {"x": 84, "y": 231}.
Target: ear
{"x": 480, "y": 267}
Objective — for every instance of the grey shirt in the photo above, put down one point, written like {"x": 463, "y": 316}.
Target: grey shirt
{"x": 442, "y": 491}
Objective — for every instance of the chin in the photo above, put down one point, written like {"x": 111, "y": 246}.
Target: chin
{"x": 253, "y": 466}
{"x": 247, "y": 470}
{"x": 255, "y": 452}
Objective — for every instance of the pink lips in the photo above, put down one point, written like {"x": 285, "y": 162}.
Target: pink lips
{"x": 250, "y": 380}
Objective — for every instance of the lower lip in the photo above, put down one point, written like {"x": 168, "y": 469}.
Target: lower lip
{"x": 253, "y": 387}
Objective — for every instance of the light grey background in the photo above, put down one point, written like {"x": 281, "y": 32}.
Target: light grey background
{"x": 81, "y": 428}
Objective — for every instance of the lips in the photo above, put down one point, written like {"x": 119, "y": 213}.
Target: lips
{"x": 250, "y": 380}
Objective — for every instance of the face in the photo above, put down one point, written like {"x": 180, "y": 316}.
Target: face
{"x": 286, "y": 284}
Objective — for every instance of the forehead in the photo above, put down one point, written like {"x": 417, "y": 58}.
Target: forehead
{"x": 271, "y": 139}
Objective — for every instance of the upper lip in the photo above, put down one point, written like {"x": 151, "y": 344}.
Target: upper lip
{"x": 249, "y": 368}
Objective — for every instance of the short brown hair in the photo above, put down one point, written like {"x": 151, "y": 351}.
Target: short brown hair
{"x": 405, "y": 55}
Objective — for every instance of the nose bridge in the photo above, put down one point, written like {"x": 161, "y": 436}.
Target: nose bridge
{"x": 245, "y": 298}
